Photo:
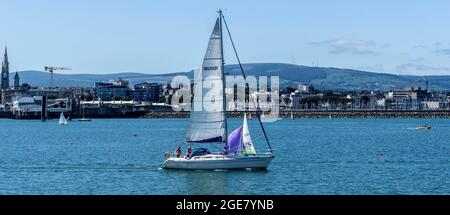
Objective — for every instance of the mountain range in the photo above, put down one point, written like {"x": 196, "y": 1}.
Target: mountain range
{"x": 290, "y": 75}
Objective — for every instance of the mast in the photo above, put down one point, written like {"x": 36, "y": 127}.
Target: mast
{"x": 224, "y": 99}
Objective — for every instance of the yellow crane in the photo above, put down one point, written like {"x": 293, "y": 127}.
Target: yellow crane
{"x": 51, "y": 69}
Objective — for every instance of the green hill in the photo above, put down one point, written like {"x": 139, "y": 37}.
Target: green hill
{"x": 290, "y": 75}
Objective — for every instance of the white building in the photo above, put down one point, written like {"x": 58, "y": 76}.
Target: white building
{"x": 27, "y": 104}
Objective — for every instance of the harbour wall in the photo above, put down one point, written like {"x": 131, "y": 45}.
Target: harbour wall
{"x": 322, "y": 114}
{"x": 236, "y": 114}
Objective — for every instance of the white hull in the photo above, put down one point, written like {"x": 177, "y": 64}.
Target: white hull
{"x": 212, "y": 162}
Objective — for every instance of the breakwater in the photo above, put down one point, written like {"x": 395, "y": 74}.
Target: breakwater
{"x": 236, "y": 114}
{"x": 322, "y": 114}
{"x": 4, "y": 114}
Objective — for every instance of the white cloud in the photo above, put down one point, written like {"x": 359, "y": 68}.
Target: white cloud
{"x": 442, "y": 51}
{"x": 349, "y": 46}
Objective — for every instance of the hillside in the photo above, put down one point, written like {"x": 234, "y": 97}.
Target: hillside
{"x": 290, "y": 75}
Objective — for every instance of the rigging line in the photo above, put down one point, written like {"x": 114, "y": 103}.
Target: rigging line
{"x": 246, "y": 83}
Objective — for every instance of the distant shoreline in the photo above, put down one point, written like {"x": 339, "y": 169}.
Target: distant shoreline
{"x": 323, "y": 114}
{"x": 282, "y": 114}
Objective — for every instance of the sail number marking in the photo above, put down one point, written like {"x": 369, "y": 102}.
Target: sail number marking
{"x": 210, "y": 68}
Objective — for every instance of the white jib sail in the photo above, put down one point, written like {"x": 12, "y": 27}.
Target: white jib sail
{"x": 249, "y": 149}
{"x": 62, "y": 119}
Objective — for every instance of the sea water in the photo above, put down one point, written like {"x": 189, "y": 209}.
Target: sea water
{"x": 313, "y": 156}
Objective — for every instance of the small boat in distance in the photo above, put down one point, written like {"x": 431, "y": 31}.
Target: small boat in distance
{"x": 424, "y": 127}
{"x": 83, "y": 118}
{"x": 62, "y": 119}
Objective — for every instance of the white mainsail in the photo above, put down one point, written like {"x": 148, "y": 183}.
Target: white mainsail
{"x": 208, "y": 122}
{"x": 62, "y": 119}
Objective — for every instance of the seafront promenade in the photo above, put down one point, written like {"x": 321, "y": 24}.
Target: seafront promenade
{"x": 324, "y": 114}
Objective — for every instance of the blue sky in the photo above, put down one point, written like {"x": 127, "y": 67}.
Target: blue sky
{"x": 399, "y": 37}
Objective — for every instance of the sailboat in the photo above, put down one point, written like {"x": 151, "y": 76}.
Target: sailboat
{"x": 84, "y": 119}
{"x": 292, "y": 115}
{"x": 62, "y": 119}
{"x": 210, "y": 127}
{"x": 424, "y": 127}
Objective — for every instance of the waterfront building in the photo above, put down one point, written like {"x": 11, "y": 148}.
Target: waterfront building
{"x": 436, "y": 101}
{"x": 9, "y": 95}
{"x": 5, "y": 71}
{"x": 303, "y": 92}
{"x": 121, "y": 82}
{"x": 146, "y": 92}
{"x": 109, "y": 91}
{"x": 305, "y": 88}
{"x": 51, "y": 93}
{"x": 26, "y": 104}
{"x": 411, "y": 99}
{"x": 381, "y": 103}
{"x": 432, "y": 105}
{"x": 31, "y": 106}
{"x": 295, "y": 100}
{"x": 367, "y": 101}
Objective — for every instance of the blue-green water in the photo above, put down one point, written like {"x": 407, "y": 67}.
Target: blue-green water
{"x": 313, "y": 156}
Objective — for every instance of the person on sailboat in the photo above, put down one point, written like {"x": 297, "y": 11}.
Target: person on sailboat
{"x": 178, "y": 152}
{"x": 189, "y": 152}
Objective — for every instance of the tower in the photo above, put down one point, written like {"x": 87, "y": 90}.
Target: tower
{"x": 5, "y": 71}
{"x": 16, "y": 81}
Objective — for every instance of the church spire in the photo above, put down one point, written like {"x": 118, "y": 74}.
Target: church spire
{"x": 5, "y": 56}
{"x": 5, "y": 71}
{"x": 16, "y": 81}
